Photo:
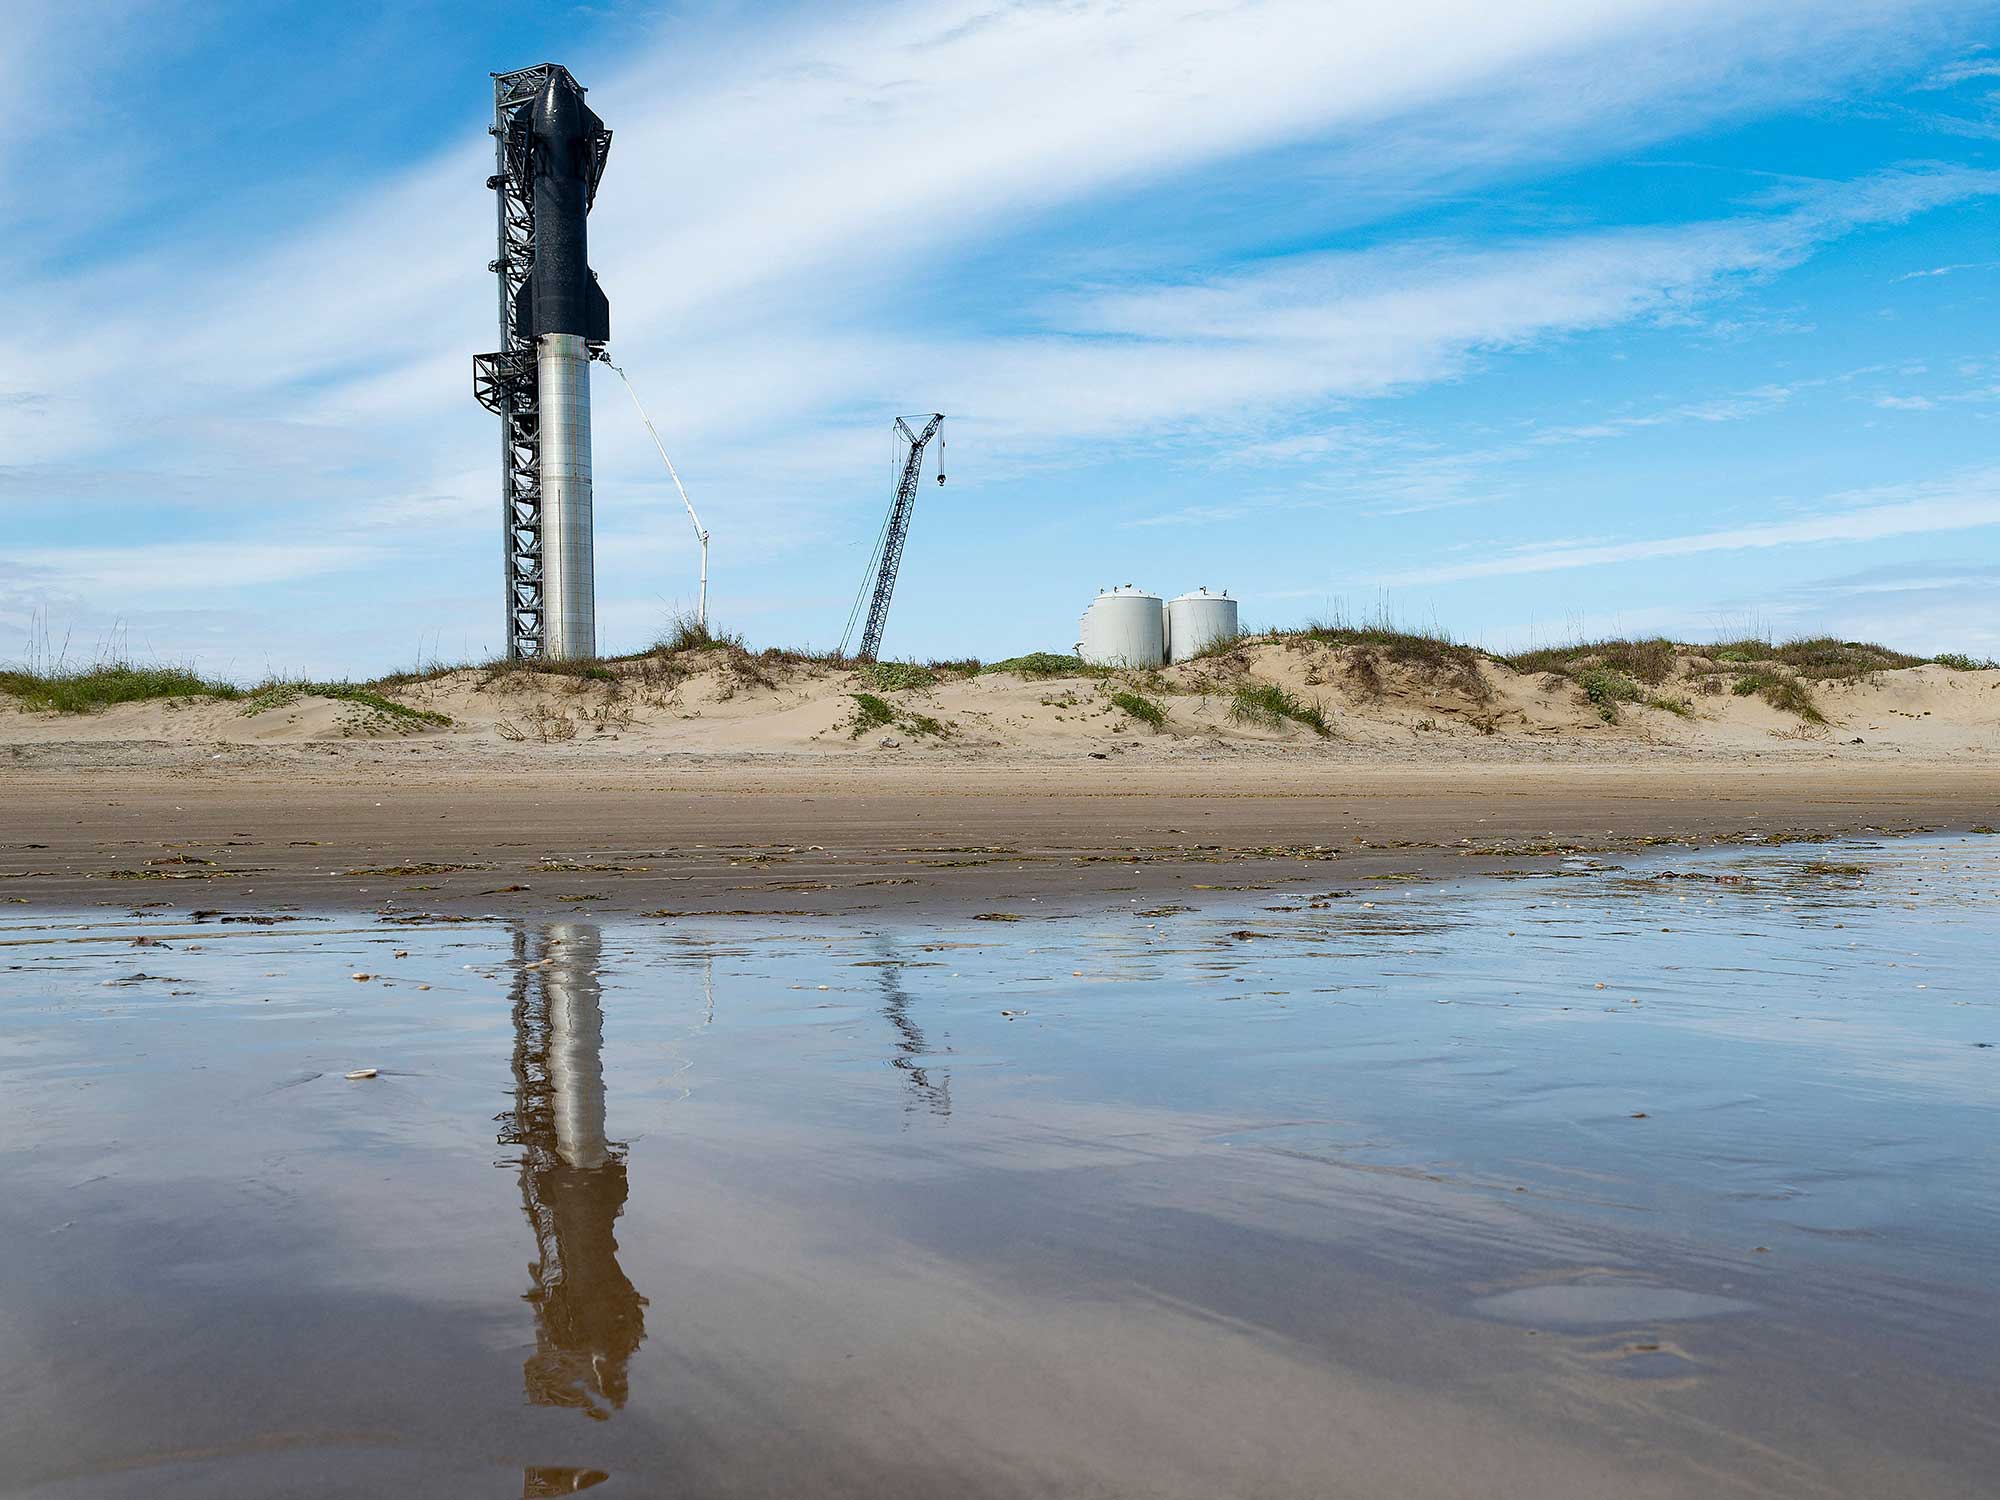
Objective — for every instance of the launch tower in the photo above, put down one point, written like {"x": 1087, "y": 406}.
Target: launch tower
{"x": 549, "y": 151}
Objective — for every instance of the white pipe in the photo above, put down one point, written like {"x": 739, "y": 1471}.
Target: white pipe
{"x": 701, "y": 614}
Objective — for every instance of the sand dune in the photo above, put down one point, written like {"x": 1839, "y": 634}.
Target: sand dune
{"x": 729, "y": 702}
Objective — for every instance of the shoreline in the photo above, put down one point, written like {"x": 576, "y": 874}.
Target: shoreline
{"x": 904, "y": 840}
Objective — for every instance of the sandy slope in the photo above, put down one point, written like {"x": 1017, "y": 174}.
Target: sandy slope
{"x": 727, "y": 703}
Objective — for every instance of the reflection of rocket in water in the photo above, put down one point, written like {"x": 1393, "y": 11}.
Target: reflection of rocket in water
{"x": 589, "y": 1319}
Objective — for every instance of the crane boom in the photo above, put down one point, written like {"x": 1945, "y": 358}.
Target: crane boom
{"x": 896, "y": 532}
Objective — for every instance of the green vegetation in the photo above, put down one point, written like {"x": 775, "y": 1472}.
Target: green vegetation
{"x": 896, "y": 676}
{"x": 1045, "y": 664}
{"x": 1606, "y": 689}
{"x": 870, "y": 712}
{"x": 1784, "y": 692}
{"x": 87, "y": 690}
{"x": 1222, "y": 645}
{"x": 1143, "y": 709}
{"x": 1781, "y": 673}
{"x": 1270, "y": 705}
{"x": 1819, "y": 658}
{"x": 1610, "y": 673}
{"x": 282, "y": 694}
{"x": 873, "y": 712}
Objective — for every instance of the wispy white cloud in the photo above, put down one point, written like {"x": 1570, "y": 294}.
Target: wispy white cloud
{"x": 1346, "y": 326}
{"x": 1982, "y": 265}
{"x": 1963, "y": 71}
{"x": 173, "y": 571}
{"x": 1964, "y": 502}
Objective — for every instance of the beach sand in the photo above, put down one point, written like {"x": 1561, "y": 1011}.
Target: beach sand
{"x": 370, "y": 827}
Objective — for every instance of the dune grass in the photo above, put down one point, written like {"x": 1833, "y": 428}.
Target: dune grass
{"x": 1819, "y": 658}
{"x": 685, "y": 632}
{"x": 1429, "y": 654}
{"x": 1649, "y": 661}
{"x": 1780, "y": 689}
{"x": 896, "y": 676}
{"x": 1270, "y": 705}
{"x": 1781, "y": 672}
{"x": 1045, "y": 664}
{"x": 1145, "y": 710}
{"x": 1606, "y": 689}
{"x": 282, "y": 694}
{"x": 870, "y": 712}
{"x": 89, "y": 690}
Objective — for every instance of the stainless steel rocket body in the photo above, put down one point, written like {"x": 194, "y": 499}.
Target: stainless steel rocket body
{"x": 576, "y": 1045}
{"x": 569, "y": 587}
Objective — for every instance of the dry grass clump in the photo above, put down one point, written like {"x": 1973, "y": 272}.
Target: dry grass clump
{"x": 686, "y": 632}
{"x": 1429, "y": 655}
{"x": 1046, "y": 664}
{"x": 957, "y": 666}
{"x": 1820, "y": 658}
{"x": 1649, "y": 661}
{"x": 543, "y": 725}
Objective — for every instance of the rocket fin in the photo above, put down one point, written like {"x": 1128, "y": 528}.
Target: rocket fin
{"x": 597, "y": 313}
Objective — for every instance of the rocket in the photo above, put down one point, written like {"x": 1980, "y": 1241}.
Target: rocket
{"x": 561, "y": 293}
{"x": 561, "y": 312}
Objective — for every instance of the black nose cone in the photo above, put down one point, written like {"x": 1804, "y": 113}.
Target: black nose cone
{"x": 559, "y": 111}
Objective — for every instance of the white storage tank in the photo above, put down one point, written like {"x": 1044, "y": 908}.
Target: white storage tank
{"x": 1197, "y": 621}
{"x": 1124, "y": 627}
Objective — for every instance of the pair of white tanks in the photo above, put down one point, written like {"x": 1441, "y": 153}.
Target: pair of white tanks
{"x": 1128, "y": 627}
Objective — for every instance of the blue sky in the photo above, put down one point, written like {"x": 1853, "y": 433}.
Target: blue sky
{"x": 1596, "y": 316}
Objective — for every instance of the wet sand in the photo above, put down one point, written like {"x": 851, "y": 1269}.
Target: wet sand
{"x": 1664, "y": 1181}
{"x": 379, "y": 829}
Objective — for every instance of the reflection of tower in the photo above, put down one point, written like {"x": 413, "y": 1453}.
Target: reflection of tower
{"x": 931, "y": 1086}
{"x": 589, "y": 1319}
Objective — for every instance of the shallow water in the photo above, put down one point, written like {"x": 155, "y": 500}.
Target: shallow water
{"x": 1680, "y": 1178}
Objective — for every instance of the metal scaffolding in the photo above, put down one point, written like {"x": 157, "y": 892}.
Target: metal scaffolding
{"x": 504, "y": 381}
